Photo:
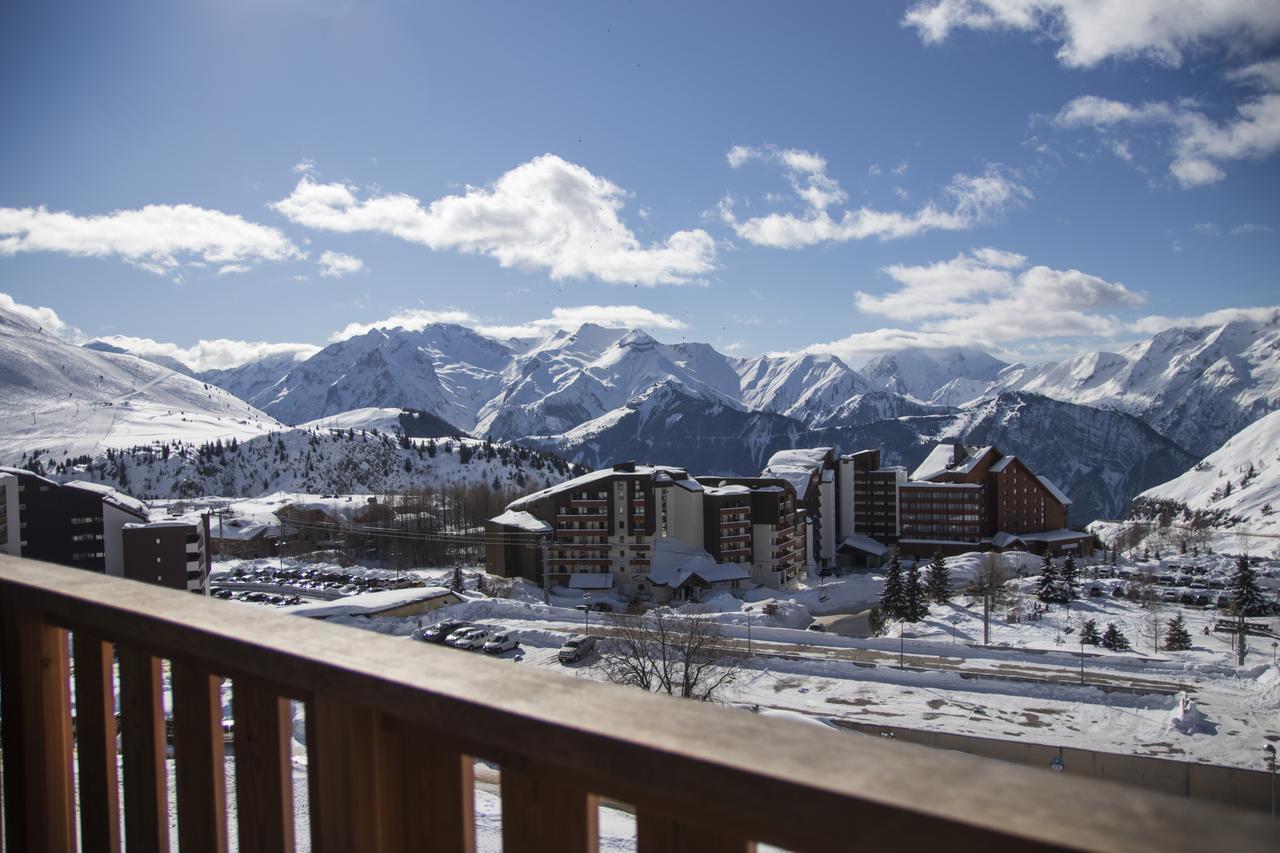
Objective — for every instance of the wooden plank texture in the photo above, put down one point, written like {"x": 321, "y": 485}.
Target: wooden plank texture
{"x": 35, "y": 684}
{"x": 437, "y": 792}
{"x": 264, "y": 768}
{"x": 790, "y": 786}
{"x": 142, "y": 735}
{"x": 545, "y": 809}
{"x": 96, "y": 757}
{"x": 659, "y": 834}
{"x": 199, "y": 758}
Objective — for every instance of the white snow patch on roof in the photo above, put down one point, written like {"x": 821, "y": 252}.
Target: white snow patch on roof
{"x": 1054, "y": 490}
{"x": 522, "y": 520}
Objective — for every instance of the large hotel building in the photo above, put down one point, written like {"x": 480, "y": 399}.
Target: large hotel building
{"x": 655, "y": 532}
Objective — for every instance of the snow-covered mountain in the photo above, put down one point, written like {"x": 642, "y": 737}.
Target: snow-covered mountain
{"x": 920, "y": 372}
{"x": 807, "y": 387}
{"x": 162, "y": 360}
{"x": 1101, "y": 458}
{"x": 444, "y": 369}
{"x": 315, "y": 461}
{"x": 1235, "y": 489}
{"x": 1198, "y": 386}
{"x": 62, "y": 400}
{"x": 251, "y": 381}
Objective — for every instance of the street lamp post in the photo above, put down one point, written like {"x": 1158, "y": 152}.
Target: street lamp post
{"x": 747, "y": 610}
{"x": 1082, "y": 657}
{"x": 901, "y": 644}
{"x": 586, "y": 611}
{"x": 1270, "y": 750}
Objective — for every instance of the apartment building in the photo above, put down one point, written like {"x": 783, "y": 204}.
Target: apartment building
{"x": 867, "y": 496}
{"x": 605, "y": 524}
{"x": 168, "y": 553}
{"x": 91, "y": 526}
{"x": 812, "y": 473}
{"x": 962, "y": 497}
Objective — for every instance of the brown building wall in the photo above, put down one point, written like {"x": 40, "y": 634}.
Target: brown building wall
{"x": 159, "y": 555}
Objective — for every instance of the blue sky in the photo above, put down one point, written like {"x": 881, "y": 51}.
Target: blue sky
{"x": 850, "y": 177}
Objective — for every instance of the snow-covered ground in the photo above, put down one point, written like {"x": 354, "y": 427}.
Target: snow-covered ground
{"x": 1024, "y": 686}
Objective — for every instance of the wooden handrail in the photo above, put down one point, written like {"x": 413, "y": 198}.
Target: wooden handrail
{"x": 691, "y": 771}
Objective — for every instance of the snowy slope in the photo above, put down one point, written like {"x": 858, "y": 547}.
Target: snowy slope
{"x": 251, "y": 381}
{"x": 1198, "y": 386}
{"x": 66, "y": 401}
{"x": 919, "y": 372}
{"x": 318, "y": 462}
{"x": 1249, "y": 506}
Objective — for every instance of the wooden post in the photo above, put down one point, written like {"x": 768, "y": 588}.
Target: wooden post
{"x": 344, "y": 776}
{"x": 437, "y": 792}
{"x": 96, "y": 743}
{"x": 35, "y": 669}
{"x": 199, "y": 755}
{"x": 543, "y": 811}
{"x": 146, "y": 796}
{"x": 657, "y": 833}
{"x": 264, "y": 768}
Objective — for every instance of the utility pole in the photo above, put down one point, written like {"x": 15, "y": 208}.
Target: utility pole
{"x": 986, "y": 617}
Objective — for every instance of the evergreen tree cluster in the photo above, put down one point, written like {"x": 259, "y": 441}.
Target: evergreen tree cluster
{"x": 903, "y": 597}
{"x": 1089, "y": 633}
{"x": 1057, "y": 584}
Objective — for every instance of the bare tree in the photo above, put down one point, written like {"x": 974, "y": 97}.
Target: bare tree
{"x": 988, "y": 584}
{"x": 662, "y": 652}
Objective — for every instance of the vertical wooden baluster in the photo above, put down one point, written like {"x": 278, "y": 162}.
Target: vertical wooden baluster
{"x": 142, "y": 731}
{"x": 36, "y": 694}
{"x": 198, "y": 752}
{"x": 659, "y": 834}
{"x": 438, "y": 792}
{"x": 543, "y": 811}
{"x": 96, "y": 743}
{"x": 264, "y": 768}
{"x": 343, "y": 775}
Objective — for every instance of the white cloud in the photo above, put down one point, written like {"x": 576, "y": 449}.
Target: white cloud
{"x": 413, "y": 319}
{"x": 336, "y": 264}
{"x": 1250, "y": 228}
{"x": 1091, "y": 31}
{"x": 305, "y": 166}
{"x": 1154, "y": 323}
{"x": 614, "y": 316}
{"x": 217, "y": 354}
{"x": 45, "y": 318}
{"x": 1198, "y": 145}
{"x": 157, "y": 238}
{"x": 546, "y": 214}
{"x": 970, "y": 200}
{"x": 988, "y": 296}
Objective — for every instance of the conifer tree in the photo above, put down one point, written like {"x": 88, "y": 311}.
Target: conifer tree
{"x": 1089, "y": 633}
{"x": 1048, "y": 586}
{"x": 1067, "y": 577}
{"x": 915, "y": 607}
{"x": 1114, "y": 640}
{"x": 891, "y": 596}
{"x": 455, "y": 582}
{"x": 938, "y": 580}
{"x": 1246, "y": 595}
{"x": 1178, "y": 638}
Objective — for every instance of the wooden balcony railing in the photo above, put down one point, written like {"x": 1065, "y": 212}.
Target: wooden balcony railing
{"x": 393, "y": 726}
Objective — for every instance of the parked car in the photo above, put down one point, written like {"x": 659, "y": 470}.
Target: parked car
{"x": 499, "y": 643}
{"x": 472, "y": 640}
{"x": 577, "y": 648}
{"x": 1095, "y": 591}
{"x": 440, "y": 631}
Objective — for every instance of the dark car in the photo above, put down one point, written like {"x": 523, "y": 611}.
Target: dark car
{"x": 440, "y": 631}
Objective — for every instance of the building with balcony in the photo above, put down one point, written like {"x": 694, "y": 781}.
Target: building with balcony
{"x": 607, "y": 523}
{"x": 811, "y": 472}
{"x": 867, "y": 503}
{"x": 169, "y": 553}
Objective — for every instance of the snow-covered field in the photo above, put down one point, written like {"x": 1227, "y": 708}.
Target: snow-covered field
{"x": 1024, "y": 686}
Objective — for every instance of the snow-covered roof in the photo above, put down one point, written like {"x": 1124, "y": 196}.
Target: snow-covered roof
{"x": 369, "y": 603}
{"x": 128, "y": 503}
{"x": 23, "y": 472}
{"x": 1054, "y": 490}
{"x": 930, "y": 484}
{"x": 243, "y": 529}
{"x": 673, "y": 563}
{"x": 522, "y": 520}
{"x": 796, "y": 466}
{"x": 1004, "y": 540}
{"x": 154, "y": 524}
{"x": 663, "y": 477}
{"x": 595, "y": 477}
{"x": 941, "y": 461}
{"x": 1002, "y": 463}
{"x": 591, "y": 580}
{"x": 726, "y": 490}
{"x": 865, "y": 544}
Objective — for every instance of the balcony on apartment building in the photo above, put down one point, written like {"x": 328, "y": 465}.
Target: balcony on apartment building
{"x": 393, "y": 730}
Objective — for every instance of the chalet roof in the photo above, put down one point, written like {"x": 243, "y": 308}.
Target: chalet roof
{"x": 1054, "y": 490}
